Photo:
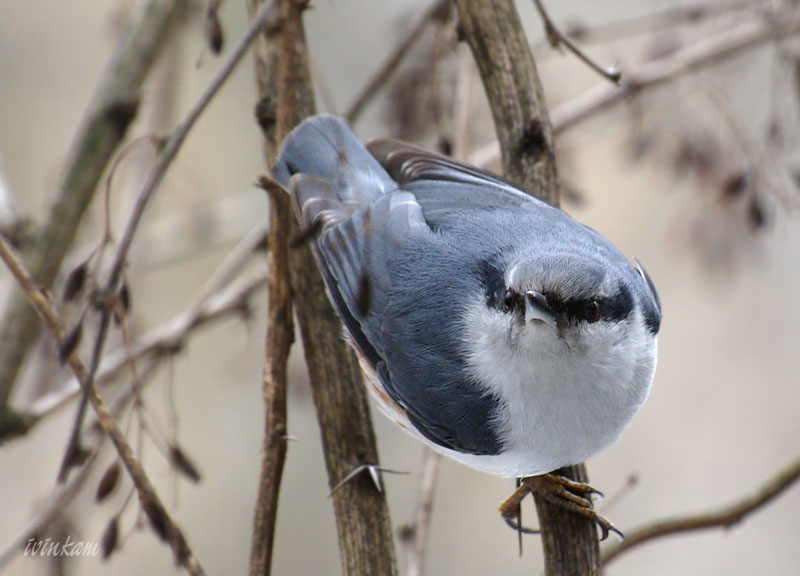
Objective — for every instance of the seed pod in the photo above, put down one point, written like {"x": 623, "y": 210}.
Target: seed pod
{"x": 110, "y": 538}
{"x": 70, "y": 342}
{"x": 75, "y": 282}
{"x": 108, "y": 482}
{"x": 183, "y": 464}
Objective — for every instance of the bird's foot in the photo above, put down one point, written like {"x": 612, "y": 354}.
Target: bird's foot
{"x": 574, "y": 496}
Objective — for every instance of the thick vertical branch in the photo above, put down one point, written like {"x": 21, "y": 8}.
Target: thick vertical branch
{"x": 113, "y": 109}
{"x": 495, "y": 35}
{"x": 362, "y": 515}
{"x": 515, "y": 94}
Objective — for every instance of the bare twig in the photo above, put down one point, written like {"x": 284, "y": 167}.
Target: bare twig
{"x": 268, "y": 54}
{"x": 113, "y": 108}
{"x": 280, "y": 336}
{"x": 723, "y": 517}
{"x": 658, "y": 18}
{"x": 161, "y": 342}
{"x": 437, "y": 11}
{"x": 213, "y": 302}
{"x": 148, "y": 498}
{"x": 419, "y": 531}
{"x": 268, "y": 17}
{"x": 56, "y": 504}
{"x": 64, "y": 495}
{"x": 557, "y": 38}
{"x": 706, "y": 52}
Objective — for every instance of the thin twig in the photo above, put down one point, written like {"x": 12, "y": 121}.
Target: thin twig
{"x": 113, "y": 108}
{"x": 392, "y": 62}
{"x": 420, "y": 530}
{"x": 724, "y": 517}
{"x": 557, "y": 38}
{"x": 657, "y": 19}
{"x": 64, "y": 495}
{"x": 706, "y": 52}
{"x": 268, "y": 17}
{"x": 161, "y": 342}
{"x": 274, "y": 76}
{"x": 148, "y": 498}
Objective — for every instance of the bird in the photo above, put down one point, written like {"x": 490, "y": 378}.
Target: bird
{"x": 488, "y": 324}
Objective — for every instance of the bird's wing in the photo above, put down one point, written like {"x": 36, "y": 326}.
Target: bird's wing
{"x": 440, "y": 183}
{"x": 394, "y": 282}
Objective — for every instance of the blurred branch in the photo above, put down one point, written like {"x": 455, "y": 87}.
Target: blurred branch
{"x": 724, "y": 517}
{"x": 657, "y": 19}
{"x": 9, "y": 218}
{"x": 557, "y": 38}
{"x": 416, "y": 535}
{"x": 113, "y": 108}
{"x": 214, "y": 301}
{"x": 437, "y": 11}
{"x": 161, "y": 342}
{"x": 693, "y": 58}
{"x": 502, "y": 53}
{"x": 64, "y": 495}
{"x": 148, "y": 498}
{"x": 268, "y": 17}
{"x": 60, "y": 499}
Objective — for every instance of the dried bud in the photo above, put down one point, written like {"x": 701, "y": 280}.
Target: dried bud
{"x": 158, "y": 519}
{"x": 215, "y": 37}
{"x": 734, "y": 185}
{"x": 108, "y": 482}
{"x": 183, "y": 464}
{"x": 756, "y": 214}
{"x": 70, "y": 342}
{"x": 110, "y": 538}
{"x": 75, "y": 282}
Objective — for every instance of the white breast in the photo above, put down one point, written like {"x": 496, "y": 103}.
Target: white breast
{"x": 564, "y": 399}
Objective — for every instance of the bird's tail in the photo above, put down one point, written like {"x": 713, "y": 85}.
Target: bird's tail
{"x": 337, "y": 171}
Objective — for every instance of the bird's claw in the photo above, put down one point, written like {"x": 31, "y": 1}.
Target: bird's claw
{"x": 574, "y": 496}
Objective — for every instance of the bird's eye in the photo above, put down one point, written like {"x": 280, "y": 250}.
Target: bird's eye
{"x": 509, "y": 300}
{"x": 591, "y": 311}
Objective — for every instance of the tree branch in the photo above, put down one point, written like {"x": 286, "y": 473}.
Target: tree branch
{"x": 161, "y": 342}
{"x": 693, "y": 58}
{"x": 113, "y": 109}
{"x": 495, "y": 35}
{"x": 267, "y": 18}
{"x": 725, "y": 517}
{"x": 438, "y": 10}
{"x": 557, "y": 38}
{"x": 362, "y": 516}
{"x": 280, "y": 324}
{"x": 148, "y": 498}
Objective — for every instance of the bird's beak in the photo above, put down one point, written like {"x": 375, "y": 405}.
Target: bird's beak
{"x": 536, "y": 308}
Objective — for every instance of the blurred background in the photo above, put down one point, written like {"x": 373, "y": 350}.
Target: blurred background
{"x": 696, "y": 178}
